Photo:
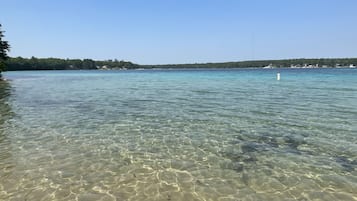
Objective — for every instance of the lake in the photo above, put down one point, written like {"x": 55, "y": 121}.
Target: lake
{"x": 231, "y": 134}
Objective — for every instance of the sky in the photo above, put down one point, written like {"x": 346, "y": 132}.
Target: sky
{"x": 180, "y": 31}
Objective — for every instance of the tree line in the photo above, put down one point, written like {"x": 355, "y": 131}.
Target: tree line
{"x": 330, "y": 62}
{"x": 4, "y": 49}
{"x": 33, "y": 63}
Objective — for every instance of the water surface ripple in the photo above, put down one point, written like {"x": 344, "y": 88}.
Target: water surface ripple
{"x": 179, "y": 135}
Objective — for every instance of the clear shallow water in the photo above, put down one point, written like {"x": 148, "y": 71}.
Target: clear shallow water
{"x": 179, "y": 135}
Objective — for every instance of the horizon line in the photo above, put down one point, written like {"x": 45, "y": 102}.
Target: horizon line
{"x": 218, "y": 62}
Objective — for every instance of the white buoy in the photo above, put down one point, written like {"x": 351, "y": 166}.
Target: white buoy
{"x": 278, "y": 76}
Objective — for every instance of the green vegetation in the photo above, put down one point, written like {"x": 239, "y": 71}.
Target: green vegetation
{"x": 34, "y": 63}
{"x": 337, "y": 62}
{"x": 19, "y": 63}
{"x": 4, "y": 49}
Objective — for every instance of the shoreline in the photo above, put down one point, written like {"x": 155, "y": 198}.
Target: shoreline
{"x": 183, "y": 68}
{"x": 33, "y": 63}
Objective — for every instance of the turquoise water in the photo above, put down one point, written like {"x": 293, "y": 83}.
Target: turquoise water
{"x": 179, "y": 135}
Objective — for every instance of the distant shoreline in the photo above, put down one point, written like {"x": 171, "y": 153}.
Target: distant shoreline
{"x": 33, "y": 63}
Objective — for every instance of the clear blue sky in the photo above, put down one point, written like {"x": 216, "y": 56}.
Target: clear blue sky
{"x": 180, "y": 31}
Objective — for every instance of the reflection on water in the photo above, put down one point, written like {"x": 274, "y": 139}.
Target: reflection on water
{"x": 179, "y": 135}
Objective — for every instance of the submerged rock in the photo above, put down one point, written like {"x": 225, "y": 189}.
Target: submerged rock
{"x": 238, "y": 167}
{"x": 347, "y": 165}
{"x": 249, "y": 147}
{"x": 294, "y": 141}
{"x": 271, "y": 141}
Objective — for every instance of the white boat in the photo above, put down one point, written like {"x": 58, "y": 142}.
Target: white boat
{"x": 268, "y": 66}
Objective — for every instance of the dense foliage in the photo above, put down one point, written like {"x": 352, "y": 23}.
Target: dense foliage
{"x": 4, "y": 49}
{"x": 19, "y": 63}
{"x": 34, "y": 63}
{"x": 343, "y": 62}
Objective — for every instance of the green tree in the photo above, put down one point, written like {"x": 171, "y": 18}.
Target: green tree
{"x": 4, "y": 49}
